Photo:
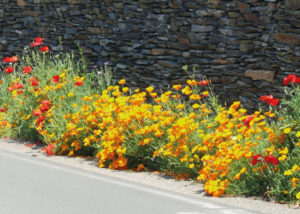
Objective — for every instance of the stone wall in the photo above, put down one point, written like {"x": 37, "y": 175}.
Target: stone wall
{"x": 245, "y": 47}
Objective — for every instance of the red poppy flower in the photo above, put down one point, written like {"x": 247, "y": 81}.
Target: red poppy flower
{"x": 271, "y": 159}
{"x": 297, "y": 80}
{"x": 9, "y": 70}
{"x": 265, "y": 98}
{"x": 27, "y": 70}
{"x": 55, "y": 79}
{"x": 37, "y": 112}
{"x": 10, "y": 89}
{"x": 255, "y": 159}
{"x": 46, "y": 102}
{"x": 3, "y": 110}
{"x": 14, "y": 59}
{"x": 33, "y": 44}
{"x": 204, "y": 82}
{"x": 20, "y": 92}
{"x": 18, "y": 85}
{"x": 40, "y": 119}
{"x": 273, "y": 102}
{"x": 39, "y": 39}
{"x": 34, "y": 81}
{"x": 78, "y": 83}
{"x": 6, "y": 59}
{"x": 247, "y": 120}
{"x": 269, "y": 99}
{"x": 50, "y": 149}
{"x": 45, "y": 49}
{"x": 290, "y": 78}
{"x": 44, "y": 108}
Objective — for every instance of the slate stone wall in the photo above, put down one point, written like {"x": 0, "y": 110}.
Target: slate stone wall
{"x": 245, "y": 47}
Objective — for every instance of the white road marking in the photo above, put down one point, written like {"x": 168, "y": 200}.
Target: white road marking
{"x": 189, "y": 213}
{"x": 121, "y": 183}
{"x": 225, "y": 211}
{"x": 235, "y": 211}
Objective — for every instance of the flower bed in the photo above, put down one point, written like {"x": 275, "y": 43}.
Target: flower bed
{"x": 183, "y": 131}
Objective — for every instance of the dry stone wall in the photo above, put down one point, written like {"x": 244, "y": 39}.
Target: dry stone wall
{"x": 245, "y": 47}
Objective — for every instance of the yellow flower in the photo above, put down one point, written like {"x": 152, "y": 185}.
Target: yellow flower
{"x": 74, "y": 105}
{"x": 191, "y": 165}
{"x": 205, "y": 93}
{"x": 294, "y": 181}
{"x": 270, "y": 150}
{"x": 125, "y": 89}
{"x": 298, "y": 134}
{"x": 180, "y": 106}
{"x": 176, "y": 87}
{"x": 195, "y": 97}
{"x": 196, "y": 106}
{"x": 237, "y": 176}
{"x": 287, "y": 130}
{"x": 282, "y": 158}
{"x": 295, "y": 168}
{"x": 71, "y": 94}
{"x": 192, "y": 82}
{"x": 184, "y": 158}
{"x": 270, "y": 114}
{"x": 51, "y": 135}
{"x": 153, "y": 94}
{"x": 28, "y": 116}
{"x": 187, "y": 90}
{"x": 149, "y": 89}
{"x": 71, "y": 153}
{"x": 122, "y": 81}
{"x": 287, "y": 173}
{"x": 243, "y": 170}
{"x": 145, "y": 141}
{"x": 283, "y": 151}
{"x": 298, "y": 195}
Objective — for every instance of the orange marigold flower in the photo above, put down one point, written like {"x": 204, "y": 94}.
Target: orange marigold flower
{"x": 192, "y": 82}
{"x": 176, "y": 87}
{"x": 144, "y": 142}
{"x": 125, "y": 89}
{"x": 140, "y": 167}
{"x": 149, "y": 89}
{"x": 122, "y": 81}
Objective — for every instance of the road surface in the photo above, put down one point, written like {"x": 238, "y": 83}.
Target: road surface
{"x": 30, "y": 185}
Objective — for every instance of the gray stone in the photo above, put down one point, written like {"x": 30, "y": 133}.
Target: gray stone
{"x": 244, "y": 47}
{"x": 242, "y": 84}
{"x": 142, "y": 62}
{"x": 169, "y": 64}
{"x": 202, "y": 28}
{"x": 292, "y": 4}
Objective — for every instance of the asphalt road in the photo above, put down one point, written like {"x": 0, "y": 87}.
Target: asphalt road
{"x": 29, "y": 185}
